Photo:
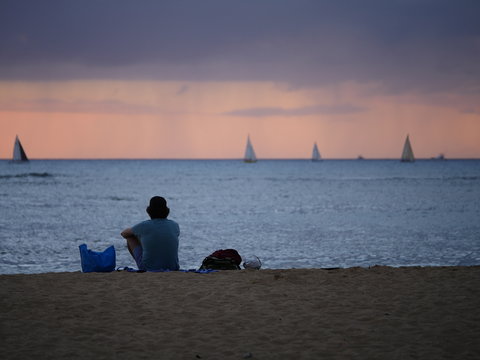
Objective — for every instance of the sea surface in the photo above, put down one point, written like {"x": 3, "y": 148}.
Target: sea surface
{"x": 289, "y": 213}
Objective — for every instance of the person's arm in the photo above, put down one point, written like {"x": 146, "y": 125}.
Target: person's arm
{"x": 132, "y": 240}
{"x": 127, "y": 233}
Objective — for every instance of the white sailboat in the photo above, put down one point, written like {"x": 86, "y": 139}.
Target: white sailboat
{"x": 250, "y": 156}
{"x": 19, "y": 154}
{"x": 315, "y": 153}
{"x": 407, "y": 154}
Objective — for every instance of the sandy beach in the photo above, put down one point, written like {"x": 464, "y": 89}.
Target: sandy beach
{"x": 356, "y": 313}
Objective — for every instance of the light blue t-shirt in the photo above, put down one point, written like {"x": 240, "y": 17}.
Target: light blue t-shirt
{"x": 159, "y": 239}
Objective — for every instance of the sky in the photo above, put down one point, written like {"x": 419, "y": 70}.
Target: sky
{"x": 192, "y": 79}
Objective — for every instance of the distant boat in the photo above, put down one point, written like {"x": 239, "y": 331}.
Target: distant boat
{"x": 19, "y": 154}
{"x": 360, "y": 157}
{"x": 439, "y": 157}
{"x": 250, "y": 156}
{"x": 407, "y": 154}
{"x": 315, "y": 153}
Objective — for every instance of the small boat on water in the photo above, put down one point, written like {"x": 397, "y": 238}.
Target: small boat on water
{"x": 439, "y": 157}
{"x": 315, "y": 153}
{"x": 250, "y": 156}
{"x": 19, "y": 154}
{"x": 407, "y": 154}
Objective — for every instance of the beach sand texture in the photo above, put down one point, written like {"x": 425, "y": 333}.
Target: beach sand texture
{"x": 356, "y": 313}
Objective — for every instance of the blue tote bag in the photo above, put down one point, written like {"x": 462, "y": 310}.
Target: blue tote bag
{"x": 93, "y": 261}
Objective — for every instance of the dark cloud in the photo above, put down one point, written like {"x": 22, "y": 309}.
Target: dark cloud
{"x": 302, "y": 111}
{"x": 427, "y": 45}
{"x": 470, "y": 111}
{"x": 183, "y": 89}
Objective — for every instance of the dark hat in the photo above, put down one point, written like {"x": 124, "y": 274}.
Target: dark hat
{"x": 158, "y": 208}
{"x": 158, "y": 203}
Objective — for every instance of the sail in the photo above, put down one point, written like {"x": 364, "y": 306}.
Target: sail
{"x": 407, "y": 154}
{"x": 250, "y": 156}
{"x": 18, "y": 151}
{"x": 315, "y": 153}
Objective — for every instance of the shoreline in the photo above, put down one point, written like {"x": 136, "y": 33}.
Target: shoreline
{"x": 363, "y": 313}
{"x": 192, "y": 269}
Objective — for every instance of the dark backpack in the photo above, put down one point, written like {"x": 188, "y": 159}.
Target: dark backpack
{"x": 228, "y": 259}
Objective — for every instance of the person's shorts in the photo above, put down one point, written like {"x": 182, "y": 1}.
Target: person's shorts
{"x": 138, "y": 256}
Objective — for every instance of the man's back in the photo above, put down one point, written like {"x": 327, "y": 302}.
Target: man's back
{"x": 159, "y": 239}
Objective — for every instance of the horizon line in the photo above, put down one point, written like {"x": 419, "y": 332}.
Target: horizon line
{"x": 241, "y": 159}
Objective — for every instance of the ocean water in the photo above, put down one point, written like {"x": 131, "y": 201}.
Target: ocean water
{"x": 289, "y": 213}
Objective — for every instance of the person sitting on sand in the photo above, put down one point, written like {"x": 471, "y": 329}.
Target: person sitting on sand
{"x": 154, "y": 243}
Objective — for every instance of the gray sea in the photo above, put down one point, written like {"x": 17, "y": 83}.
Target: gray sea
{"x": 289, "y": 213}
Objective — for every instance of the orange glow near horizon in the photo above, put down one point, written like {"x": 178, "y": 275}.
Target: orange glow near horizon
{"x": 120, "y": 119}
